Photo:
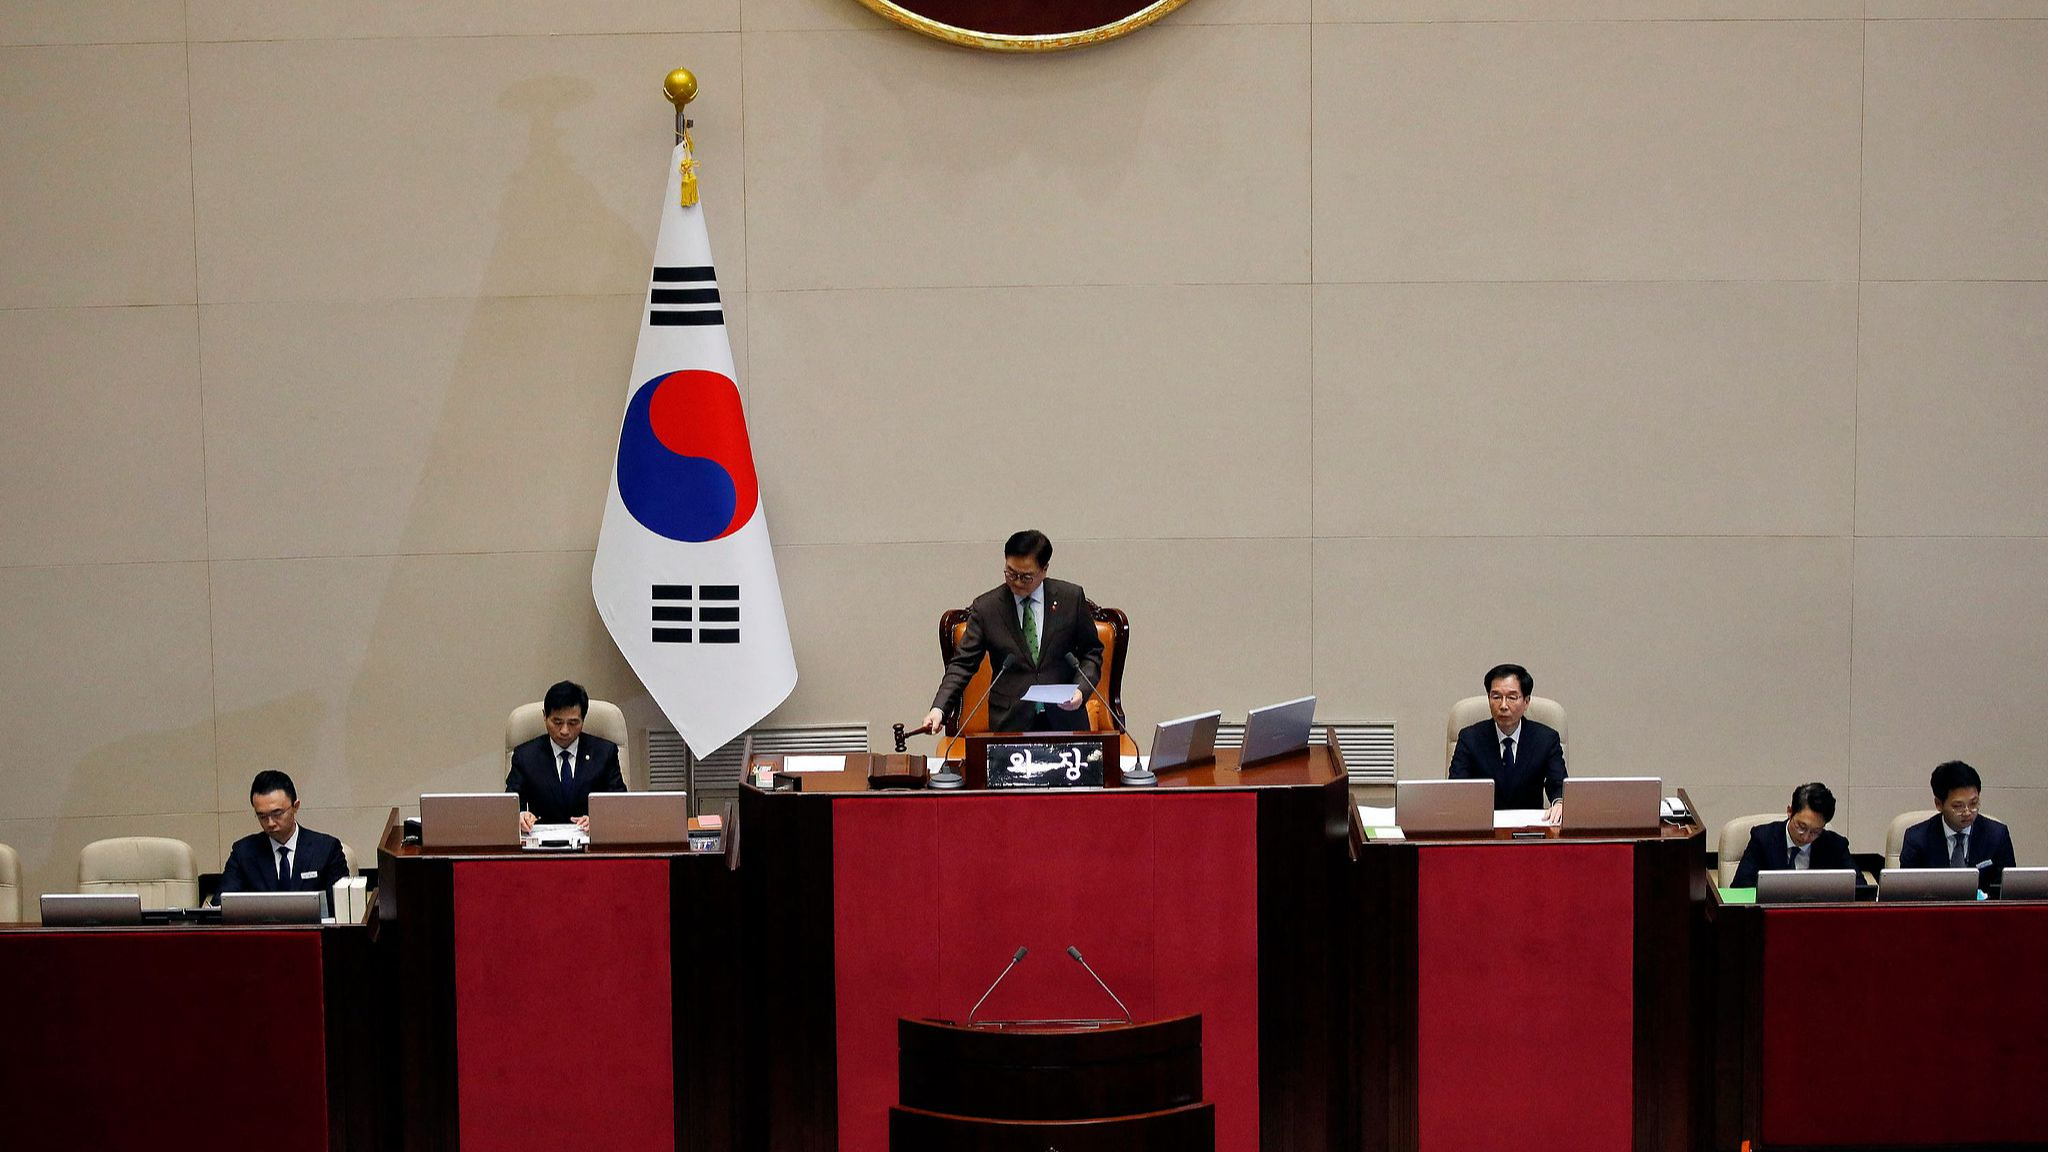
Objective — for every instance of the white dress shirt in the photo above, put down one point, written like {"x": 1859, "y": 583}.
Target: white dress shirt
{"x": 1800, "y": 860}
{"x": 1950, "y": 843}
{"x": 555, "y": 753}
{"x": 291, "y": 846}
{"x": 1500, "y": 740}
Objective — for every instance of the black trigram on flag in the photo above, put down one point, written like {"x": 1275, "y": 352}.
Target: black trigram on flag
{"x": 674, "y": 604}
{"x": 684, "y": 296}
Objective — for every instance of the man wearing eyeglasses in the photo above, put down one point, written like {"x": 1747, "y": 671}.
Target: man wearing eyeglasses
{"x": 1523, "y": 758}
{"x": 1957, "y": 836}
{"x": 1036, "y": 622}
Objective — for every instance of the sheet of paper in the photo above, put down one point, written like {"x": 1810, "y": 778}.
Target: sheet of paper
{"x": 574, "y": 835}
{"x": 1518, "y": 818}
{"x": 1373, "y": 817}
{"x": 813, "y": 763}
{"x": 1051, "y": 693}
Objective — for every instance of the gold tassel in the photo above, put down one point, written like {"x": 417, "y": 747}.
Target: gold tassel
{"x": 689, "y": 172}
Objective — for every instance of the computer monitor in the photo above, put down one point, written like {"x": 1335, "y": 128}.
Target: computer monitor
{"x": 271, "y": 907}
{"x": 1613, "y": 803}
{"x": 1898, "y": 884}
{"x": 639, "y": 818}
{"x": 1277, "y": 730}
{"x": 91, "y": 909}
{"x": 2024, "y": 884}
{"x": 1813, "y": 886}
{"x": 1188, "y": 740}
{"x": 1425, "y": 807}
{"x": 469, "y": 820}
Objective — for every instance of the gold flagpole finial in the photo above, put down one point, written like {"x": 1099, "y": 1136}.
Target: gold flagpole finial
{"x": 681, "y": 88}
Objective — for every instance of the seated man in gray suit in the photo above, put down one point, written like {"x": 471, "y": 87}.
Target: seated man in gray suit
{"x": 1028, "y": 627}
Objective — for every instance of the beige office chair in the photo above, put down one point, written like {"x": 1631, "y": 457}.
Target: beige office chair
{"x": 160, "y": 870}
{"x": 1735, "y": 838}
{"x": 1472, "y": 709}
{"x": 10, "y": 885}
{"x": 602, "y": 718}
{"x": 348, "y": 858}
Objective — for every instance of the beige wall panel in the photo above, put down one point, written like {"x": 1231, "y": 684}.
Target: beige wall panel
{"x": 373, "y": 680}
{"x": 413, "y": 426}
{"x": 821, "y": 15}
{"x": 1951, "y": 414}
{"x": 880, "y": 159}
{"x": 1450, "y": 409}
{"x": 1955, "y": 152}
{"x": 98, "y": 178}
{"x": 101, "y": 457}
{"x": 112, "y": 662}
{"x": 1659, "y": 648}
{"x": 1166, "y": 411}
{"x": 49, "y": 848}
{"x": 1950, "y": 639}
{"x": 91, "y": 22}
{"x": 1631, "y": 151}
{"x": 451, "y": 167}
{"x": 1214, "y": 623}
{"x": 345, "y": 19}
{"x": 1952, "y": 9}
{"x": 1491, "y": 11}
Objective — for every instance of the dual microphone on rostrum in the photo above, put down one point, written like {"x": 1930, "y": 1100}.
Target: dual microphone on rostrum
{"x": 1017, "y": 959}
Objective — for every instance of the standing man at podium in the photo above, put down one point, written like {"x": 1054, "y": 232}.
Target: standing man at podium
{"x": 1523, "y": 758}
{"x": 1035, "y": 623}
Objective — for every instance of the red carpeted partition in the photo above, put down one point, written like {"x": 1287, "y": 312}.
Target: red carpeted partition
{"x": 155, "y": 1039}
{"x": 1905, "y": 1025}
{"x": 563, "y": 1021}
{"x": 932, "y": 895}
{"x": 1525, "y": 993}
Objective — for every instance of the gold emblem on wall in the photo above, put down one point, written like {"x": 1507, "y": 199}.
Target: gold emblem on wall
{"x": 1024, "y": 25}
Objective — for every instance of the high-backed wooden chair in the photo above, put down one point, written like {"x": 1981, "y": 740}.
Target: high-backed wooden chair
{"x": 1110, "y": 624}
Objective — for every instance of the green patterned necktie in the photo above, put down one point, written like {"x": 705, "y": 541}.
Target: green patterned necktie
{"x": 1030, "y": 630}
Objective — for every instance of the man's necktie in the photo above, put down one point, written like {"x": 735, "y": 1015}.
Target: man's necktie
{"x": 1798, "y": 850}
{"x": 568, "y": 773}
{"x": 1030, "y": 630}
{"x": 1958, "y": 855}
{"x": 1507, "y": 753}
{"x": 284, "y": 865}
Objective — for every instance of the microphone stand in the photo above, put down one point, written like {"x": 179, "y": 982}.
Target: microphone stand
{"x": 945, "y": 778}
{"x": 1139, "y": 776}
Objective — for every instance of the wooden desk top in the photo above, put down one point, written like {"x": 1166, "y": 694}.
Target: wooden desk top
{"x": 1663, "y": 832}
{"x": 1317, "y": 767}
{"x": 392, "y": 843}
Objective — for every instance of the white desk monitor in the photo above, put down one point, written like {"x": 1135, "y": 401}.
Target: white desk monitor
{"x": 91, "y": 909}
{"x": 1277, "y": 730}
{"x": 1613, "y": 803}
{"x": 1425, "y": 807}
{"x": 1927, "y": 884}
{"x": 469, "y": 820}
{"x": 1188, "y": 740}
{"x": 639, "y": 818}
{"x": 2024, "y": 884}
{"x": 1813, "y": 886}
{"x": 271, "y": 907}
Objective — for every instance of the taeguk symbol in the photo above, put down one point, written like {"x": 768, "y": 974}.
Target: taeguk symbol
{"x": 686, "y": 470}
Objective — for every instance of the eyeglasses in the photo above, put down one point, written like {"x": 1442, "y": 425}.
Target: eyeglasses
{"x": 1505, "y": 698}
{"x": 1013, "y": 577}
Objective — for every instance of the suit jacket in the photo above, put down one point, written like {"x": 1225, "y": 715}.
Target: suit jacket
{"x": 1926, "y": 846}
{"x": 252, "y": 864}
{"x": 994, "y": 629}
{"x": 1766, "y": 852}
{"x": 536, "y": 776}
{"x": 1539, "y": 763}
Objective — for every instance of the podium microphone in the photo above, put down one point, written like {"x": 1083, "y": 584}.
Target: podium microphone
{"x": 1137, "y": 777}
{"x": 1014, "y": 961}
{"x": 1076, "y": 954}
{"x": 945, "y": 777}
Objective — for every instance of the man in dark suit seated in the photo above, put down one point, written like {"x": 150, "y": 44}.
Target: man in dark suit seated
{"x": 1956, "y": 836}
{"x": 284, "y": 857}
{"x": 1524, "y": 759}
{"x": 555, "y": 772}
{"x": 1800, "y": 841}
{"x": 1035, "y": 622}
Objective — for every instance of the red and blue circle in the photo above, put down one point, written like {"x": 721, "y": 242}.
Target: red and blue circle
{"x": 686, "y": 469}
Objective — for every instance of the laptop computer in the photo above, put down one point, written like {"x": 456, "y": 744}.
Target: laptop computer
{"x": 2024, "y": 884}
{"x": 1613, "y": 803}
{"x": 91, "y": 909}
{"x": 1423, "y": 807}
{"x": 1188, "y": 740}
{"x": 469, "y": 820}
{"x": 1277, "y": 730}
{"x": 1899, "y": 884}
{"x": 271, "y": 907}
{"x": 639, "y": 818}
{"x": 1813, "y": 886}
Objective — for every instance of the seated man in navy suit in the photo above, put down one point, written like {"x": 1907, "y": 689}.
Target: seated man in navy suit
{"x": 284, "y": 857}
{"x": 1955, "y": 836}
{"x": 555, "y": 773}
{"x": 1800, "y": 841}
{"x": 1524, "y": 759}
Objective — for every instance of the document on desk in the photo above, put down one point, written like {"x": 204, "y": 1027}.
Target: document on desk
{"x": 1379, "y": 823}
{"x": 1050, "y": 693}
{"x": 1518, "y": 818}
{"x": 813, "y": 763}
{"x": 558, "y": 833}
